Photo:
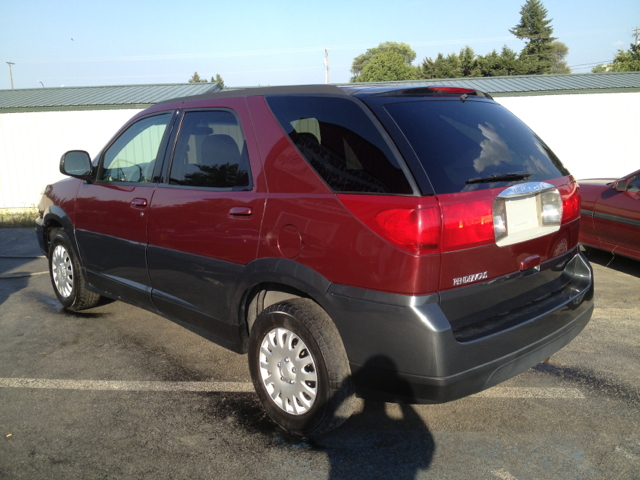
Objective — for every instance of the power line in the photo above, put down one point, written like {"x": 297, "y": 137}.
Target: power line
{"x": 592, "y": 63}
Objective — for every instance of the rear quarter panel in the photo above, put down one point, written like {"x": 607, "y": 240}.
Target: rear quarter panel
{"x": 333, "y": 242}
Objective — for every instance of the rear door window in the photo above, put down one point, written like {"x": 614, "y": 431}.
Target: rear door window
{"x": 463, "y": 144}
{"x": 341, "y": 143}
{"x": 211, "y": 152}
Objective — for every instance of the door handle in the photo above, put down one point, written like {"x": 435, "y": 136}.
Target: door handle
{"x": 139, "y": 202}
{"x": 240, "y": 212}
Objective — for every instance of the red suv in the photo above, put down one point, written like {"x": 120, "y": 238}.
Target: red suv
{"x": 400, "y": 244}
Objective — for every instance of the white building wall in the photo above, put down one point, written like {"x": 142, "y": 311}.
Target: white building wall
{"x": 32, "y": 143}
{"x": 594, "y": 135}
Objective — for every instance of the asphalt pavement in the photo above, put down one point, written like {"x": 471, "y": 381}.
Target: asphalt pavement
{"x": 119, "y": 392}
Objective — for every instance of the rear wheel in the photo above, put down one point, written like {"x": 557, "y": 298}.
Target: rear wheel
{"x": 66, "y": 275}
{"x": 300, "y": 369}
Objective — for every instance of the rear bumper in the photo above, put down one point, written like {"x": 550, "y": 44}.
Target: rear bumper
{"x": 403, "y": 349}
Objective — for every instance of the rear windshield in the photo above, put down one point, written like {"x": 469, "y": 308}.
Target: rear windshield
{"x": 341, "y": 144}
{"x": 463, "y": 144}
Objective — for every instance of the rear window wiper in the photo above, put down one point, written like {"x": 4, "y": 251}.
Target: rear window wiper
{"x": 504, "y": 177}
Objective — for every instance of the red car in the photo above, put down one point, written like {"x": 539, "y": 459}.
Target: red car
{"x": 400, "y": 244}
{"x": 610, "y": 214}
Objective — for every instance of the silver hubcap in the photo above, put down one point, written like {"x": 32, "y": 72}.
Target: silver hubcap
{"x": 62, "y": 271}
{"x": 288, "y": 371}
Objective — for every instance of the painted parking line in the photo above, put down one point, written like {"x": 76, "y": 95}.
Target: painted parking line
{"x": 529, "y": 392}
{"x": 226, "y": 387}
{"x": 503, "y": 474}
{"x": 230, "y": 387}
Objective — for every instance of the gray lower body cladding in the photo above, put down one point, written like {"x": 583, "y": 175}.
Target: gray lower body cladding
{"x": 404, "y": 349}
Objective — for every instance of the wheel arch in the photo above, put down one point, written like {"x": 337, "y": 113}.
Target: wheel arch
{"x": 268, "y": 281}
{"x": 55, "y": 218}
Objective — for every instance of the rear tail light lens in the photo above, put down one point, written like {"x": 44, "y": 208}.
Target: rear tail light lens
{"x": 468, "y": 225}
{"x": 571, "y": 200}
{"x": 551, "y": 207}
{"x": 416, "y": 230}
{"x": 500, "y": 229}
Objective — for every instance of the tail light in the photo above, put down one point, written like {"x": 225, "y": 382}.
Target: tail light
{"x": 571, "y": 200}
{"x": 452, "y": 90}
{"x": 415, "y": 230}
{"x": 411, "y": 224}
{"x": 468, "y": 225}
{"x": 551, "y": 208}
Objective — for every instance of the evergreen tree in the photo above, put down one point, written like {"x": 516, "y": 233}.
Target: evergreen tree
{"x": 218, "y": 79}
{"x": 452, "y": 66}
{"x": 469, "y": 62}
{"x": 196, "y": 79}
{"x": 536, "y": 30}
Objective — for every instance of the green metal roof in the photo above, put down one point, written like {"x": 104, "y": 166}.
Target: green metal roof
{"x": 141, "y": 96}
{"x": 534, "y": 84}
{"x": 79, "y": 98}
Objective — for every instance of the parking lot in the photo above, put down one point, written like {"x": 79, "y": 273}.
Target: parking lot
{"x": 118, "y": 392}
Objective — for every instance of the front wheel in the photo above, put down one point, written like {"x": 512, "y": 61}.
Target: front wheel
{"x": 66, "y": 275}
{"x": 300, "y": 369}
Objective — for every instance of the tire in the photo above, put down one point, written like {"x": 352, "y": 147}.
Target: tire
{"x": 67, "y": 277}
{"x": 300, "y": 368}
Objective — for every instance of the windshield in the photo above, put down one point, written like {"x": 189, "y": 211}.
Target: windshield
{"x": 473, "y": 145}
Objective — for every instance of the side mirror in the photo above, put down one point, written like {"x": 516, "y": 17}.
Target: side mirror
{"x": 76, "y": 163}
{"x": 621, "y": 185}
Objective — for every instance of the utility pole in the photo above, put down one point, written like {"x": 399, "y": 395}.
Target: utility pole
{"x": 10, "y": 75}
{"x": 326, "y": 63}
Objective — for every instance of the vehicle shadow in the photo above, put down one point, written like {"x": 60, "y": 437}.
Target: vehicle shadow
{"x": 379, "y": 441}
{"x": 614, "y": 262}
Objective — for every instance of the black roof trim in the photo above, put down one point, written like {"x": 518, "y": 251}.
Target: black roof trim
{"x": 249, "y": 92}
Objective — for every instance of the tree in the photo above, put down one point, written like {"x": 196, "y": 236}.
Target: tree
{"x": 442, "y": 67}
{"x": 469, "y": 62}
{"x": 218, "y": 79}
{"x": 452, "y": 66}
{"x": 361, "y": 61}
{"x": 624, "y": 61}
{"x": 558, "y": 53}
{"x": 537, "y": 31}
{"x": 387, "y": 66}
{"x": 196, "y": 79}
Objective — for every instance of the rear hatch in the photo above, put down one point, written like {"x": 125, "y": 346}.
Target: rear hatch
{"x": 509, "y": 209}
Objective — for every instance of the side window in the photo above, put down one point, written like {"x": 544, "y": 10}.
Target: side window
{"x": 132, "y": 156}
{"x": 211, "y": 152}
{"x": 341, "y": 143}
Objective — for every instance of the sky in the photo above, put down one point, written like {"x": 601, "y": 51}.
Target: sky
{"x": 251, "y": 43}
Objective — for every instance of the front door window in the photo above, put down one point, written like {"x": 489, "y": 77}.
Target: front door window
{"x": 132, "y": 157}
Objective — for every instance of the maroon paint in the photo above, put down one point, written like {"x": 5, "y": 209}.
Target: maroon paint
{"x": 599, "y": 195}
{"x": 336, "y": 244}
{"x": 210, "y": 223}
{"x": 61, "y": 194}
{"x": 108, "y": 209}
